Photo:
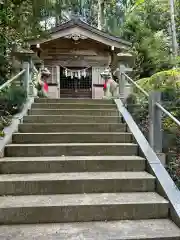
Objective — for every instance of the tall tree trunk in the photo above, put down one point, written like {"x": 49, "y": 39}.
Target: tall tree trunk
{"x": 100, "y": 14}
{"x": 58, "y": 21}
{"x": 58, "y": 12}
{"x": 13, "y": 68}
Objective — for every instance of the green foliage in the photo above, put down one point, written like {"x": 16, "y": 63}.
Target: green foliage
{"x": 168, "y": 82}
{"x": 177, "y": 2}
{"x": 161, "y": 80}
{"x": 3, "y": 69}
{"x": 146, "y": 26}
{"x": 11, "y": 100}
{"x": 174, "y": 170}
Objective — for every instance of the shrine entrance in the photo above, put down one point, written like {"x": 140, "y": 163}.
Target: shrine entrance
{"x": 76, "y": 53}
{"x": 75, "y": 82}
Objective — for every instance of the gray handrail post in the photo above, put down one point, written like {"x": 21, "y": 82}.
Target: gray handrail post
{"x": 26, "y": 66}
{"x": 31, "y": 86}
{"x": 28, "y": 84}
{"x": 155, "y": 122}
{"x": 122, "y": 81}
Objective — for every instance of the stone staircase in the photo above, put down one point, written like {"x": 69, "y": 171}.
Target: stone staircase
{"x": 73, "y": 172}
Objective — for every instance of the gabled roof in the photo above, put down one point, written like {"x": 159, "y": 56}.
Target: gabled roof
{"x": 77, "y": 23}
{"x": 80, "y": 23}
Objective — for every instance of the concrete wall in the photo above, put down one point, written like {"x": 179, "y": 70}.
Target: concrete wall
{"x": 97, "y": 93}
{"x": 53, "y": 92}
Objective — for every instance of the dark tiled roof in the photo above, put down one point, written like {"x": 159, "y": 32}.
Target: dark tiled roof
{"x": 80, "y": 23}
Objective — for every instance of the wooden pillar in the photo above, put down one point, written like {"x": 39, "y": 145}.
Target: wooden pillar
{"x": 58, "y": 80}
{"x": 97, "y": 92}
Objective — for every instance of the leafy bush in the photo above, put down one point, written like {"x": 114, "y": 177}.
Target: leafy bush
{"x": 164, "y": 81}
{"x": 3, "y": 69}
{"x": 12, "y": 100}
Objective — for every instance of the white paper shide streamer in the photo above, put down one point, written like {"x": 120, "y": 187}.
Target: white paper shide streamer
{"x": 75, "y": 73}
{"x": 66, "y": 72}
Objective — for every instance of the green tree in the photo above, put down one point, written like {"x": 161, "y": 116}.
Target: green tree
{"x": 146, "y": 26}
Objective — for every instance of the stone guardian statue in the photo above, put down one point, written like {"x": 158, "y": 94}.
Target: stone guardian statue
{"x": 110, "y": 86}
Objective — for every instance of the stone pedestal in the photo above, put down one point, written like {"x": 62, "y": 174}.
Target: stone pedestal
{"x": 162, "y": 158}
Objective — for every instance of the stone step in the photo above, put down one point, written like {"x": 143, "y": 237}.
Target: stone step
{"x": 70, "y": 119}
{"x": 74, "y": 100}
{"x": 71, "y": 149}
{"x": 81, "y": 207}
{"x": 72, "y": 137}
{"x": 74, "y": 95}
{"x": 93, "y": 112}
{"x": 71, "y": 127}
{"x": 151, "y": 229}
{"x": 71, "y": 164}
{"x": 71, "y": 93}
{"x": 72, "y": 106}
{"x": 71, "y": 183}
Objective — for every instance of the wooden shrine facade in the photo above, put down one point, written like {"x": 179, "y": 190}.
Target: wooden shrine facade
{"x": 76, "y": 53}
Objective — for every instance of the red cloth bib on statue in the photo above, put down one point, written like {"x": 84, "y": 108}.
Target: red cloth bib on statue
{"x": 105, "y": 86}
{"x": 45, "y": 86}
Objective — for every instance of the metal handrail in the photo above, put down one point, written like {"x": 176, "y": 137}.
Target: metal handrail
{"x": 12, "y": 79}
{"x": 168, "y": 113}
{"x": 135, "y": 84}
{"x": 157, "y": 104}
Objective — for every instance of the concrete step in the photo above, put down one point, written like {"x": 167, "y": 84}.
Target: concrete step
{"x": 72, "y": 137}
{"x": 68, "y": 183}
{"x": 73, "y": 106}
{"x": 71, "y": 149}
{"x": 93, "y": 112}
{"x": 74, "y": 100}
{"x": 71, "y": 127}
{"x": 81, "y": 207}
{"x": 70, "y": 119}
{"x": 79, "y": 94}
{"x": 151, "y": 229}
{"x": 72, "y": 164}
